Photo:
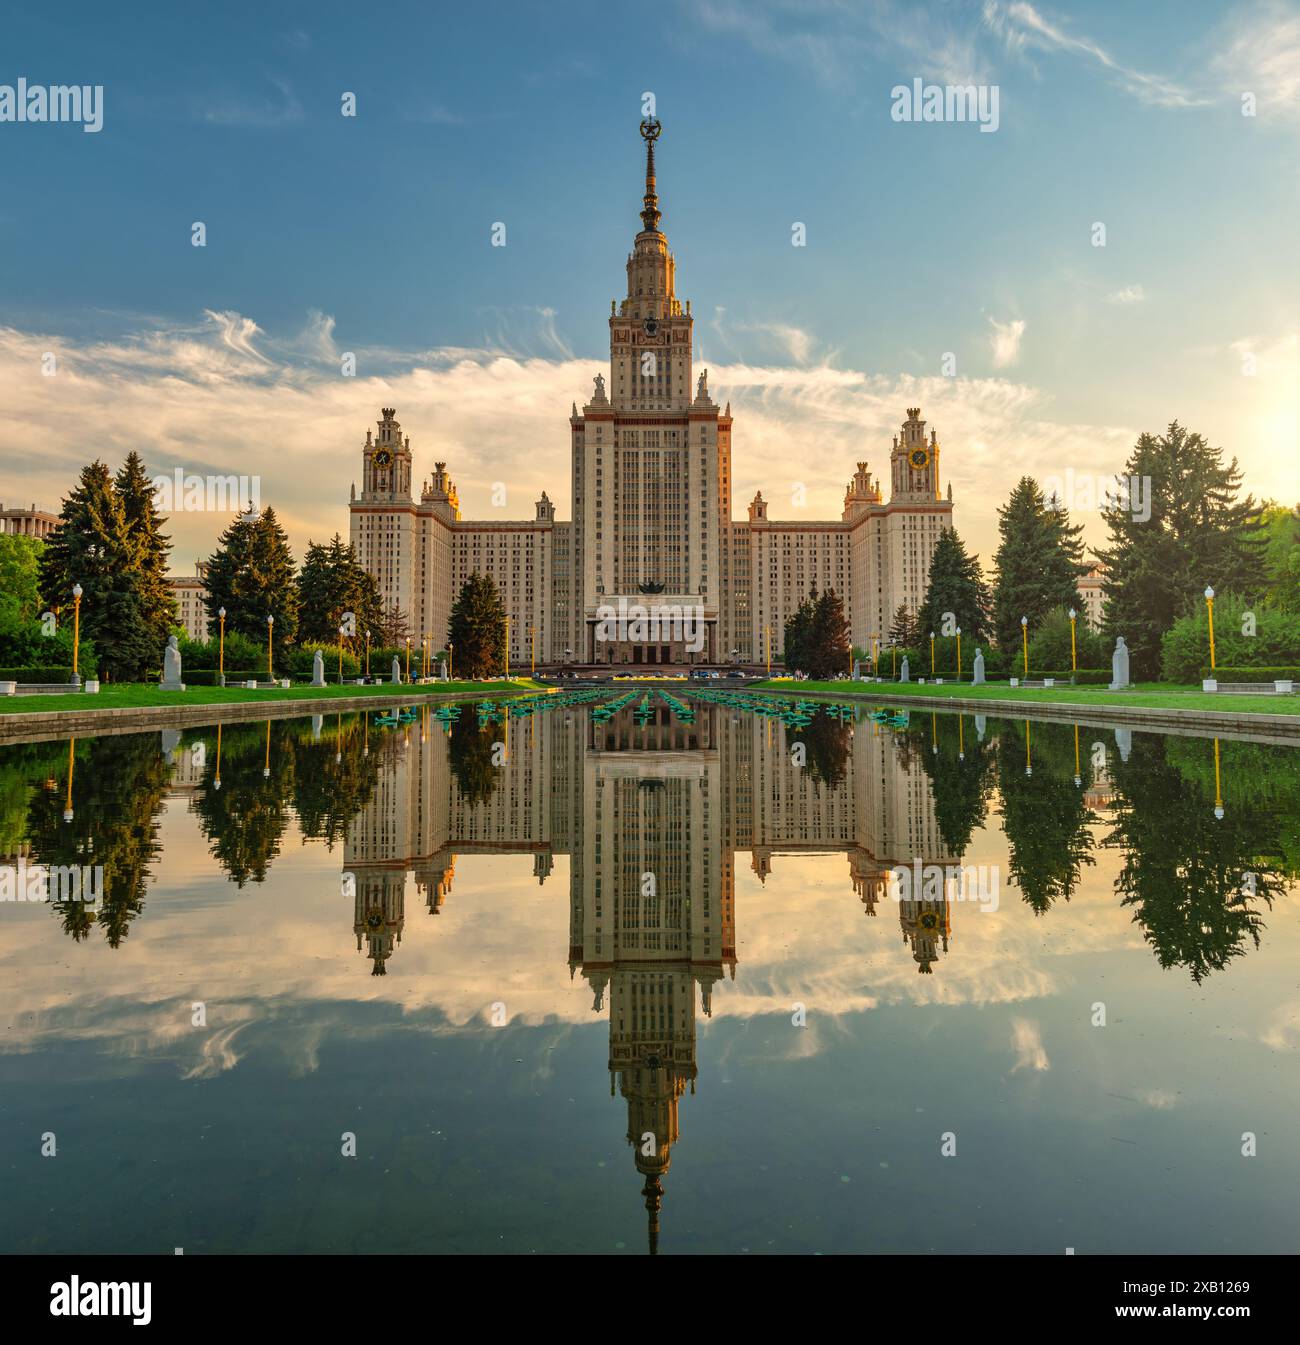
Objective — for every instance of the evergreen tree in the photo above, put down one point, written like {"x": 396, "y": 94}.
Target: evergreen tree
{"x": 828, "y": 651}
{"x": 1199, "y": 533}
{"x": 477, "y": 628}
{"x": 251, "y": 575}
{"x": 797, "y": 635}
{"x": 93, "y": 547}
{"x": 151, "y": 546}
{"x": 1038, "y": 562}
{"x": 1044, "y": 817}
{"x": 332, "y": 582}
{"x": 904, "y": 632}
{"x": 1198, "y": 884}
{"x": 956, "y": 585}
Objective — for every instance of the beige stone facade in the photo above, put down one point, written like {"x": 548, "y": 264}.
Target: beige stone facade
{"x": 190, "y": 592}
{"x": 1093, "y": 592}
{"x": 652, "y": 569}
{"x": 31, "y": 522}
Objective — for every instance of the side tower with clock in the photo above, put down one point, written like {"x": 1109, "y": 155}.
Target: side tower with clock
{"x": 382, "y": 519}
{"x": 914, "y": 462}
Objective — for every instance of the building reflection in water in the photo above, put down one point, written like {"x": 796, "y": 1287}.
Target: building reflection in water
{"x": 651, "y": 817}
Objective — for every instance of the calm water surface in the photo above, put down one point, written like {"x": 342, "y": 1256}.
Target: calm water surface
{"x": 615, "y": 987}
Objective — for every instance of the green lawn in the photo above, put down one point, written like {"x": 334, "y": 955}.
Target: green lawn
{"x": 1152, "y": 695}
{"x": 135, "y": 695}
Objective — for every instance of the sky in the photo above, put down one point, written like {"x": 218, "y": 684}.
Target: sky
{"x": 945, "y": 266}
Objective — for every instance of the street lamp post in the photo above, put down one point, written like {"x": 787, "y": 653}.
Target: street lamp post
{"x": 367, "y": 653}
{"x": 76, "y": 634}
{"x": 408, "y": 658}
{"x": 340, "y": 656}
{"x": 1074, "y": 651}
{"x": 932, "y": 653}
{"x": 1209, "y": 608}
{"x": 221, "y": 647}
{"x": 959, "y": 653}
{"x": 1024, "y": 640}
{"x": 507, "y": 648}
{"x": 451, "y": 650}
{"x": 532, "y": 657}
{"x": 270, "y": 639}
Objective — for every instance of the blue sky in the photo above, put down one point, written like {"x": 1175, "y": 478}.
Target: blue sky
{"x": 371, "y": 234}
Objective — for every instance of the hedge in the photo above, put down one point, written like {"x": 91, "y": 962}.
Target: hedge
{"x": 36, "y": 674}
{"x": 1236, "y": 672}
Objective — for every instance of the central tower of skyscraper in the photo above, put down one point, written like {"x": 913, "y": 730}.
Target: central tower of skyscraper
{"x": 651, "y": 470}
{"x": 652, "y": 569}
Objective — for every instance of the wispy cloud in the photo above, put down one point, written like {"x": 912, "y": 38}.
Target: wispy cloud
{"x": 1005, "y": 341}
{"x": 1258, "y": 51}
{"x": 217, "y": 395}
{"x": 1130, "y": 294}
{"x": 1027, "y": 1042}
{"x": 1025, "y": 29}
{"x": 280, "y": 108}
{"x": 834, "y": 41}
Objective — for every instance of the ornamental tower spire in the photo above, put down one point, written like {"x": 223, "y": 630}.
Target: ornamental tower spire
{"x": 650, "y": 215}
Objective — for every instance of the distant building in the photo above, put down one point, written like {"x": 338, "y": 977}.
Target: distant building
{"x": 31, "y": 522}
{"x": 190, "y": 590}
{"x": 1091, "y": 585}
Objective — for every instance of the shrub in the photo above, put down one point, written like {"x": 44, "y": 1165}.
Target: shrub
{"x": 23, "y": 644}
{"x": 240, "y": 652}
{"x": 1243, "y": 673}
{"x": 1185, "y": 647}
{"x": 38, "y": 673}
{"x": 1049, "y": 645}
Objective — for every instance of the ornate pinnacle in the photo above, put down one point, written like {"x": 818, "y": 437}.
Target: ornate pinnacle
{"x": 650, "y": 215}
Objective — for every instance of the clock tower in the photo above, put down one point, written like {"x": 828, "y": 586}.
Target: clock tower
{"x": 914, "y": 462}
{"x": 386, "y": 462}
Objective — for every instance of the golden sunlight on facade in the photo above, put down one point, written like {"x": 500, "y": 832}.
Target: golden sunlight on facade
{"x": 652, "y": 523}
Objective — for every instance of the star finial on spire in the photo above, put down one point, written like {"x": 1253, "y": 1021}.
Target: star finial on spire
{"x": 650, "y": 214}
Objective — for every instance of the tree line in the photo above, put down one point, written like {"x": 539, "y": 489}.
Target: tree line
{"x": 1201, "y": 531}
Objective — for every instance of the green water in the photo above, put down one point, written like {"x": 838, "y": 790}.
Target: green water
{"x": 590, "y": 987}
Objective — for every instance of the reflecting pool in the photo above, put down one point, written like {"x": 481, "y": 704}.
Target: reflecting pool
{"x": 676, "y": 978}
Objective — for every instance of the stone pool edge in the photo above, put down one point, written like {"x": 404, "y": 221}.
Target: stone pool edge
{"x": 1254, "y": 724}
{"x": 42, "y": 726}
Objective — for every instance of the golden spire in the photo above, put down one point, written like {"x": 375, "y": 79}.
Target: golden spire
{"x": 650, "y": 216}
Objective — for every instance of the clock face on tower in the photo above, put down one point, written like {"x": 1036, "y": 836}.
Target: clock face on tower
{"x": 651, "y": 326}
{"x": 918, "y": 457}
{"x": 382, "y": 457}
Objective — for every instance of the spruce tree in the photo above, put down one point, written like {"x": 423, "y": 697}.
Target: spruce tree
{"x": 1199, "y": 533}
{"x": 477, "y": 628}
{"x": 797, "y": 636}
{"x": 904, "y": 633}
{"x": 151, "y": 546}
{"x": 956, "y": 585}
{"x": 331, "y": 583}
{"x": 1038, "y": 562}
{"x": 829, "y": 637}
{"x": 92, "y": 546}
{"x": 251, "y": 575}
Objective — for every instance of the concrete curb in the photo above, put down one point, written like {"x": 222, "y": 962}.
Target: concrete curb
{"x": 1250, "y": 725}
{"x": 54, "y": 724}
